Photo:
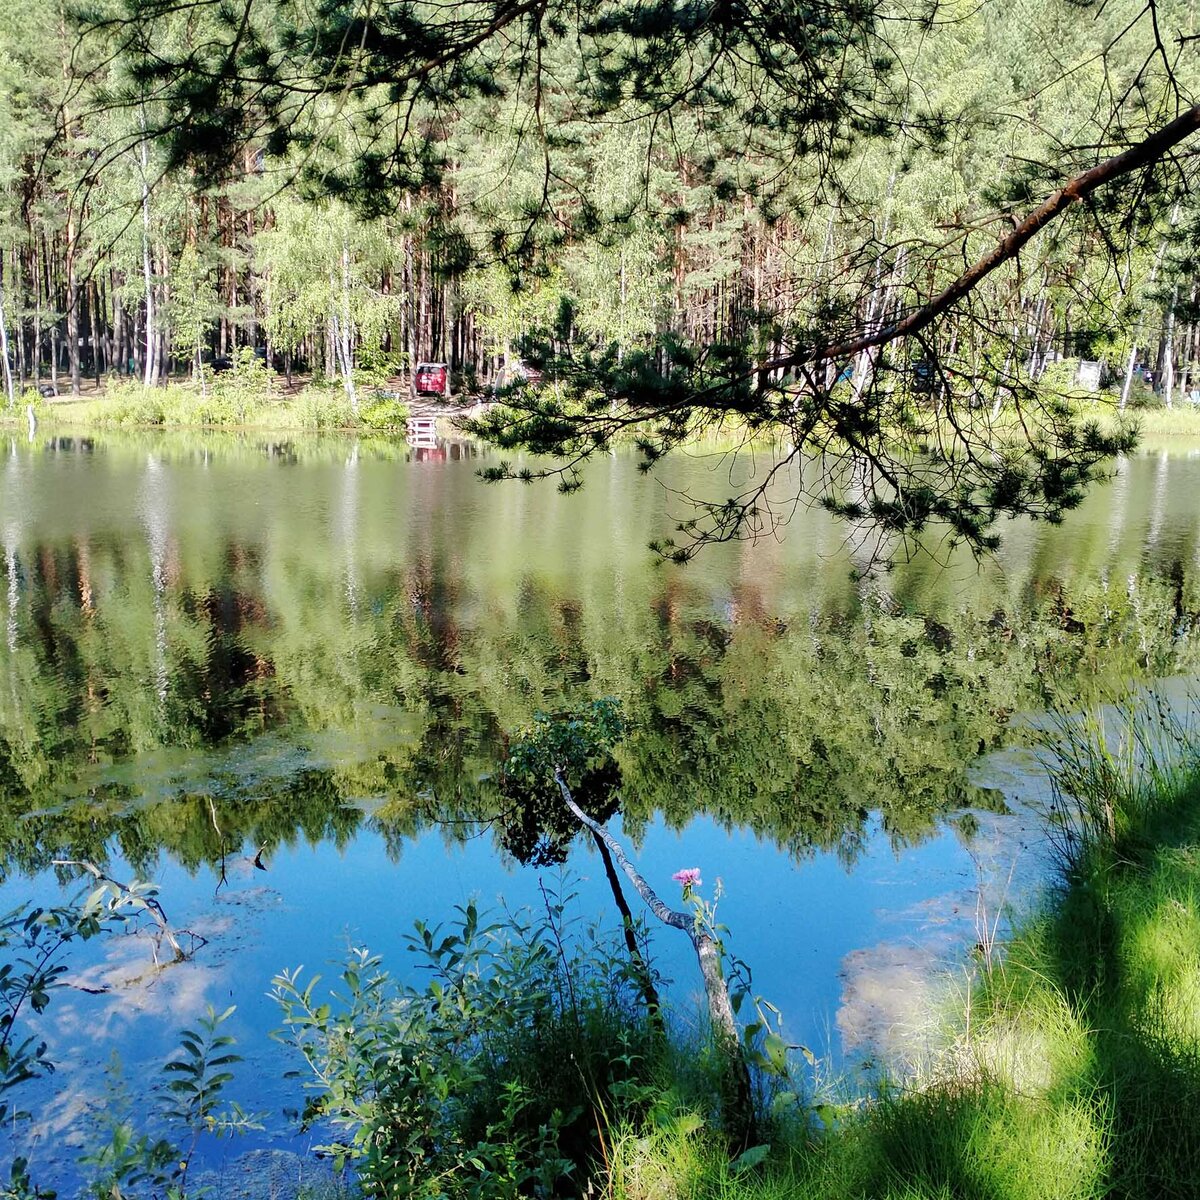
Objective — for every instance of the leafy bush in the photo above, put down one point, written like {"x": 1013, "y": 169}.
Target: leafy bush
{"x": 130, "y": 403}
{"x": 320, "y": 408}
{"x": 383, "y": 413}
{"x": 32, "y": 942}
{"x": 31, "y": 398}
{"x": 190, "y": 1105}
{"x": 493, "y": 1075}
{"x": 238, "y": 392}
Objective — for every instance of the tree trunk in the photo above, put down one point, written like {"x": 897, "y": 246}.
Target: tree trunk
{"x": 9, "y": 391}
{"x": 147, "y": 270}
{"x": 1169, "y": 352}
{"x": 743, "y": 1126}
{"x": 38, "y": 271}
{"x": 640, "y": 966}
{"x": 73, "y": 357}
{"x": 94, "y": 315}
{"x": 345, "y": 346}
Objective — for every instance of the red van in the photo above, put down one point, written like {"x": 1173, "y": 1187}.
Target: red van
{"x": 432, "y": 379}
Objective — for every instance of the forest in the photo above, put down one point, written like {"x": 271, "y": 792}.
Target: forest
{"x": 530, "y": 191}
{"x": 897, "y": 235}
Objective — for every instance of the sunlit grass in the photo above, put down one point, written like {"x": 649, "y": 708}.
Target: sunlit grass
{"x": 1070, "y": 1065}
{"x": 225, "y": 402}
{"x": 1180, "y": 421}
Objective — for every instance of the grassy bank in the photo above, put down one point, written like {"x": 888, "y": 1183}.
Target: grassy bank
{"x": 230, "y": 401}
{"x": 249, "y": 398}
{"x": 1073, "y": 1069}
{"x": 1181, "y": 421}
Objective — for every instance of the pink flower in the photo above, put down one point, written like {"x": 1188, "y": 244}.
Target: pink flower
{"x": 689, "y": 877}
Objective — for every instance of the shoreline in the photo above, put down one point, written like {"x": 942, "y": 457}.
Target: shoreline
{"x": 1065, "y": 1068}
{"x": 316, "y": 408}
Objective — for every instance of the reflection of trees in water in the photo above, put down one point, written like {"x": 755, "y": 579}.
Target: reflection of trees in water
{"x": 796, "y": 725}
{"x": 104, "y": 628}
{"x": 13, "y": 593}
{"x": 194, "y": 828}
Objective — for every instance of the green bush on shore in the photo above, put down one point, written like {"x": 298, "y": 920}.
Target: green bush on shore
{"x": 234, "y": 400}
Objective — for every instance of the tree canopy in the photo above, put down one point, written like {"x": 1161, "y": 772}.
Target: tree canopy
{"x": 875, "y": 229}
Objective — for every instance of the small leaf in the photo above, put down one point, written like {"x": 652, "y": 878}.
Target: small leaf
{"x": 750, "y": 1158}
{"x": 776, "y": 1050}
{"x": 826, "y": 1114}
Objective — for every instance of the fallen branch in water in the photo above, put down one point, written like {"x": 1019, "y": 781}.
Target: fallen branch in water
{"x": 641, "y": 968}
{"x": 708, "y": 952}
{"x": 139, "y": 895}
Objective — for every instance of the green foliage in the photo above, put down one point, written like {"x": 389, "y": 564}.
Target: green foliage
{"x": 491, "y": 1073}
{"x": 318, "y": 408}
{"x": 690, "y": 216}
{"x": 237, "y": 397}
{"x": 375, "y": 366}
{"x": 128, "y": 1162}
{"x": 383, "y": 413}
{"x": 538, "y": 828}
{"x": 241, "y": 390}
{"x": 132, "y": 1162}
{"x": 194, "y": 306}
{"x": 240, "y": 398}
{"x": 1114, "y": 774}
{"x": 132, "y": 404}
{"x": 33, "y": 941}
{"x": 199, "y": 1074}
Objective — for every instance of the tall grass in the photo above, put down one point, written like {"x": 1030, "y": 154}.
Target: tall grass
{"x": 1072, "y": 1067}
{"x": 1183, "y": 420}
{"x": 231, "y": 403}
{"x": 1116, "y": 774}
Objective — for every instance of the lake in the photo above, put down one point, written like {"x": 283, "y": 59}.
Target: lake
{"x": 218, "y": 649}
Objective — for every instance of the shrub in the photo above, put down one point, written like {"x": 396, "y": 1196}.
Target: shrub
{"x": 383, "y": 413}
{"x": 130, "y": 403}
{"x": 320, "y": 408}
{"x": 493, "y": 1075}
{"x": 238, "y": 392}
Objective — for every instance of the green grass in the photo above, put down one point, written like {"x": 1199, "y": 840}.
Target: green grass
{"x": 1158, "y": 422}
{"x": 227, "y": 402}
{"x": 1072, "y": 1069}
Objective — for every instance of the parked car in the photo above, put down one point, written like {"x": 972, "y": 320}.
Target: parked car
{"x": 432, "y": 379}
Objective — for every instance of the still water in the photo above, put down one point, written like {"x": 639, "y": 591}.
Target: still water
{"x": 217, "y": 650}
